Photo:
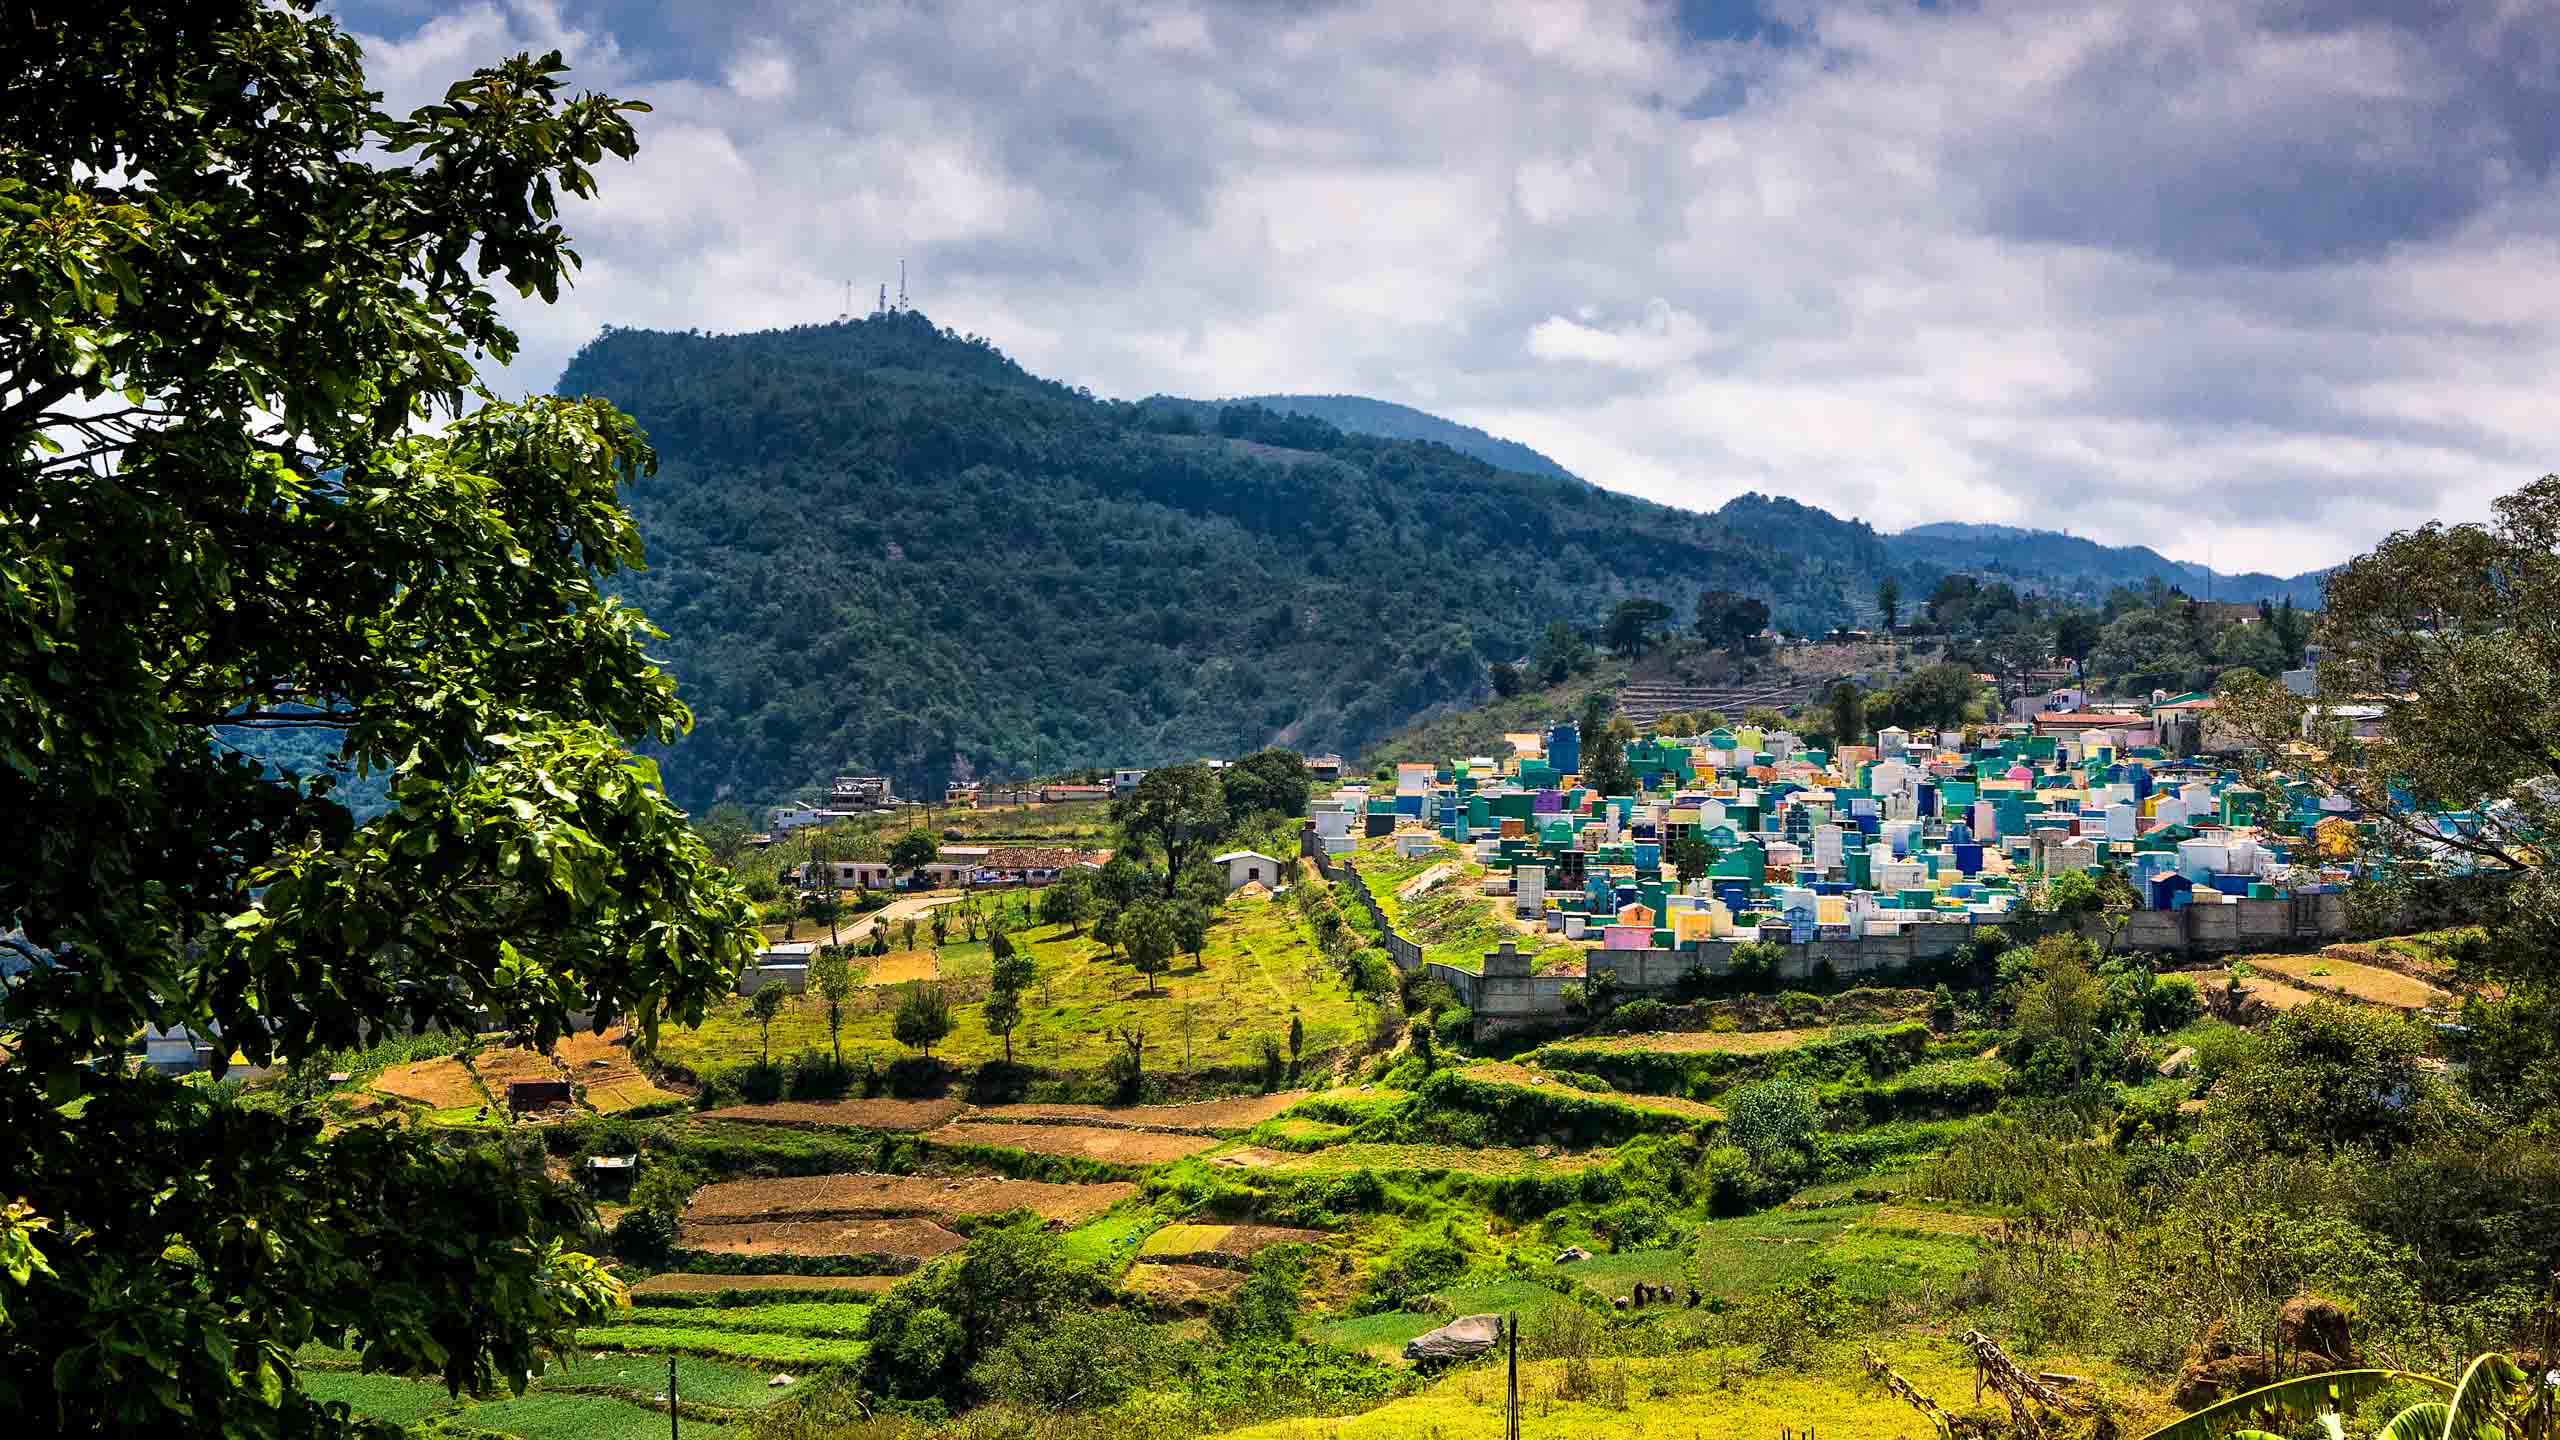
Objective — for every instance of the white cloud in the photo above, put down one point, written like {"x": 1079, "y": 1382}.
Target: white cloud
{"x": 1665, "y": 336}
{"x": 2204, "y": 277}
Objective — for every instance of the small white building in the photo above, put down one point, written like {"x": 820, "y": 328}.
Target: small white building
{"x": 1247, "y": 867}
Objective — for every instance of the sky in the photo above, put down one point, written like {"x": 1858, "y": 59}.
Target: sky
{"x": 2252, "y": 283}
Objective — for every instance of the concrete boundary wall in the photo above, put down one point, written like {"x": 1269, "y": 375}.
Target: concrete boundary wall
{"x": 1507, "y": 997}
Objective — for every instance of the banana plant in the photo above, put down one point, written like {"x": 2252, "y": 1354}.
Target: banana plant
{"x": 2494, "y": 1400}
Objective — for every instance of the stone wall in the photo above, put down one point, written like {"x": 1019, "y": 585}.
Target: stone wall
{"x": 1507, "y": 997}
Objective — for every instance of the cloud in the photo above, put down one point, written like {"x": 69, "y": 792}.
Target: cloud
{"x": 2258, "y": 278}
{"x": 1666, "y": 336}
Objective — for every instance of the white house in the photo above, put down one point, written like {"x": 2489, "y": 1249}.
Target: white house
{"x": 178, "y": 1050}
{"x": 1247, "y": 867}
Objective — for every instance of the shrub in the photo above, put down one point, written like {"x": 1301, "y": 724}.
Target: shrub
{"x": 1637, "y": 1015}
{"x": 643, "y": 1237}
{"x": 2172, "y": 1003}
{"x": 1267, "y": 1304}
{"x": 1731, "y": 1183}
{"x": 1775, "y": 1120}
{"x": 1084, "y": 1360}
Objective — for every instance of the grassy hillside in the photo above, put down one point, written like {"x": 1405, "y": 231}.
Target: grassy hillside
{"x": 1478, "y": 729}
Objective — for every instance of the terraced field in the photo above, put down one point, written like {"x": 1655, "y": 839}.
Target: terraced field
{"x": 679, "y": 1283}
{"x": 2369, "y": 983}
{"x": 1706, "y": 1042}
{"x": 880, "y": 1114}
{"x": 1084, "y": 1142}
{"x": 851, "y": 1197}
{"x": 1498, "y": 1072}
{"x": 1206, "y": 1117}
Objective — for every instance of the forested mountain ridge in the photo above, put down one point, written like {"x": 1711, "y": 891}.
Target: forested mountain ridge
{"x": 879, "y": 545}
{"x": 2074, "y": 565}
{"x": 1360, "y": 415}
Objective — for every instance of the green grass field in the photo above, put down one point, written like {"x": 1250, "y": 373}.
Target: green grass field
{"x": 596, "y": 1397}
{"x": 1261, "y": 961}
{"x": 378, "y": 1397}
{"x": 544, "y": 1415}
{"x": 724, "y": 1344}
{"x": 827, "y": 1319}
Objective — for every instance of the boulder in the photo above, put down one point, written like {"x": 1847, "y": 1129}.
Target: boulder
{"x": 1461, "y": 1339}
{"x": 2181, "y": 1062}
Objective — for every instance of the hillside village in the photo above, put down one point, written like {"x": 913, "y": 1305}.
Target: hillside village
{"x": 1280, "y": 922}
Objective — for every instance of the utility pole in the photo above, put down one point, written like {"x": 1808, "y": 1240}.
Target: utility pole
{"x": 671, "y": 1397}
{"x": 1511, "y": 1403}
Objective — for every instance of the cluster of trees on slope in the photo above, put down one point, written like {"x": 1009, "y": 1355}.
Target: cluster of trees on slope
{"x": 2139, "y": 638}
{"x": 881, "y": 545}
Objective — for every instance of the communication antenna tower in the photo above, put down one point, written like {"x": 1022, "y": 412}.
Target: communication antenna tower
{"x": 884, "y": 301}
{"x": 902, "y": 284}
{"x": 847, "y": 312}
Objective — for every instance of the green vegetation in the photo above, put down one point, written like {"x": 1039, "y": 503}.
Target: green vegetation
{"x": 1257, "y": 967}
{"x": 248, "y": 482}
{"x": 1253, "y": 571}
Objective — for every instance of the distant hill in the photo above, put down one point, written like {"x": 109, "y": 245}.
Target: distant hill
{"x": 2069, "y": 564}
{"x": 1359, "y": 415}
{"x": 877, "y": 545}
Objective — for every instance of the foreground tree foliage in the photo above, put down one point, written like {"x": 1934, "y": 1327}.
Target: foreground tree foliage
{"x": 2448, "y": 637}
{"x": 234, "y": 296}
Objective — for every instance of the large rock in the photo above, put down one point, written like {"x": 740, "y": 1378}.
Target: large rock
{"x": 2181, "y": 1062}
{"x": 1461, "y": 1339}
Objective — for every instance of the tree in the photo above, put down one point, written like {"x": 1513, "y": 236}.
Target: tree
{"x": 1147, "y": 933}
{"x": 1934, "y": 697}
{"x": 240, "y": 504}
{"x": 1634, "y": 627}
{"x": 2060, "y": 1005}
{"x": 1191, "y": 930}
{"x": 2075, "y": 634}
{"x": 1775, "y": 1120}
{"x": 766, "y": 1004}
{"x": 1269, "y": 781}
{"x": 1604, "y": 746}
{"x": 1889, "y": 601}
{"x": 913, "y": 851}
{"x": 2452, "y": 634}
{"x": 1003, "y": 1016}
{"x": 1561, "y": 654}
{"x": 923, "y": 1016}
{"x": 1507, "y": 680}
{"x": 1179, "y": 811}
{"x": 1848, "y": 713}
{"x": 1728, "y": 620}
{"x": 825, "y": 907}
{"x": 832, "y": 974}
{"x": 1690, "y": 853}
{"x": 2326, "y": 1076}
{"x": 1069, "y": 900}
{"x": 1297, "y": 1038}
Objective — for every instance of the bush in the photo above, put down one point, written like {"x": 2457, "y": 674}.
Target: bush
{"x": 2171, "y": 1004}
{"x": 643, "y": 1237}
{"x": 1636, "y": 1016}
{"x": 1729, "y": 1179}
{"x": 1774, "y": 1120}
{"x": 1267, "y": 1304}
{"x": 1082, "y": 1360}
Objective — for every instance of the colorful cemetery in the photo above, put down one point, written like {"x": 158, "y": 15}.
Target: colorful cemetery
{"x": 1911, "y": 830}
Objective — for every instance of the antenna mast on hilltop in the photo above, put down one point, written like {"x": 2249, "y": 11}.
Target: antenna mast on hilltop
{"x": 847, "y": 312}
{"x": 883, "y": 307}
{"x": 902, "y": 284}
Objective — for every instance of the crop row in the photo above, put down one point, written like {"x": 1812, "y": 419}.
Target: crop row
{"x": 723, "y": 1344}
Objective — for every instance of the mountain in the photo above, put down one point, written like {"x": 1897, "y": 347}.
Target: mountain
{"x": 876, "y": 545}
{"x": 2072, "y": 565}
{"x": 1359, "y": 415}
